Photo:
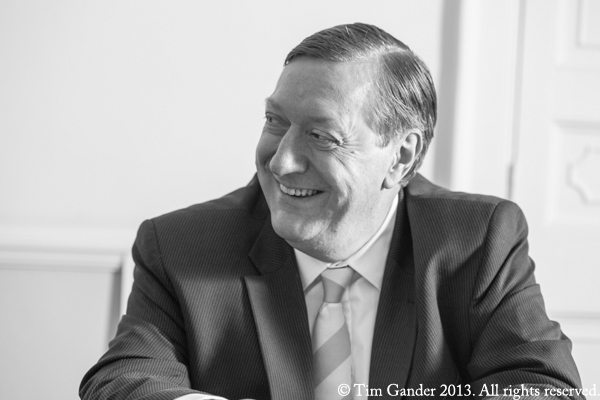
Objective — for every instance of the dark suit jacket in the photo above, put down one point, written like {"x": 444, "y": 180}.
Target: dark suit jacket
{"x": 218, "y": 306}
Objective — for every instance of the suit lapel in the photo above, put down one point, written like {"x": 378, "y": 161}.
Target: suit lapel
{"x": 395, "y": 324}
{"x": 280, "y": 315}
{"x": 281, "y": 319}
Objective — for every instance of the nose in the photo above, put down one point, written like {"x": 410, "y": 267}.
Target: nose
{"x": 290, "y": 156}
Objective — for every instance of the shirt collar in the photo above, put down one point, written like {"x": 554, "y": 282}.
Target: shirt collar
{"x": 368, "y": 261}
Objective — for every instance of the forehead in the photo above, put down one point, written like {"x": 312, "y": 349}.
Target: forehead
{"x": 312, "y": 86}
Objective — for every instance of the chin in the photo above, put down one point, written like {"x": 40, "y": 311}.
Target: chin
{"x": 292, "y": 229}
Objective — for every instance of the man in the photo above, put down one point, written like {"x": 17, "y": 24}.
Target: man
{"x": 337, "y": 271}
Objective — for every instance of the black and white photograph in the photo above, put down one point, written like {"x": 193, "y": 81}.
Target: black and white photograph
{"x": 285, "y": 200}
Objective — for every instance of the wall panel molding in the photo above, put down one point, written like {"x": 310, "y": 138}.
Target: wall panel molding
{"x": 60, "y": 261}
{"x": 66, "y": 239}
{"x": 579, "y": 327}
{"x": 60, "y": 249}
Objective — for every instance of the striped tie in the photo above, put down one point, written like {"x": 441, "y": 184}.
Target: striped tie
{"x": 331, "y": 340}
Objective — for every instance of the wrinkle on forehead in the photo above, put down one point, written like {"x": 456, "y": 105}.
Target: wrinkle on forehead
{"x": 347, "y": 86}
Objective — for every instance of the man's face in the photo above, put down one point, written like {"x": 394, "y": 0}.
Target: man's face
{"x": 319, "y": 163}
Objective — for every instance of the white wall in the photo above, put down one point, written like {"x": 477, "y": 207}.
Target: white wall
{"x": 112, "y": 112}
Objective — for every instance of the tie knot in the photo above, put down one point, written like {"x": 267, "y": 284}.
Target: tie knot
{"x": 335, "y": 281}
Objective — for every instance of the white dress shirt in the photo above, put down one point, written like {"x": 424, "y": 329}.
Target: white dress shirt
{"x": 359, "y": 301}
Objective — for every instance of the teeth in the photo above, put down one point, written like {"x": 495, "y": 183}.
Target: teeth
{"x": 298, "y": 192}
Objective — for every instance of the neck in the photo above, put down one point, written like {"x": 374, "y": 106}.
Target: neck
{"x": 350, "y": 239}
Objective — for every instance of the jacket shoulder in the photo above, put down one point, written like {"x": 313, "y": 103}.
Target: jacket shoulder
{"x": 226, "y": 227}
{"x": 246, "y": 202}
{"x": 457, "y": 222}
{"x": 421, "y": 189}
{"x": 425, "y": 197}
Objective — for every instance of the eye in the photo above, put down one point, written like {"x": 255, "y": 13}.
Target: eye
{"x": 320, "y": 137}
{"x": 323, "y": 139}
{"x": 273, "y": 119}
{"x": 274, "y": 124}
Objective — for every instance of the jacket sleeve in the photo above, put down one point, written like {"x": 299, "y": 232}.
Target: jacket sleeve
{"x": 513, "y": 341}
{"x": 148, "y": 357}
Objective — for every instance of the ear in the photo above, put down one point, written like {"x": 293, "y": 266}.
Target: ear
{"x": 406, "y": 151}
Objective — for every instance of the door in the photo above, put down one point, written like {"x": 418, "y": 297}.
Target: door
{"x": 556, "y": 177}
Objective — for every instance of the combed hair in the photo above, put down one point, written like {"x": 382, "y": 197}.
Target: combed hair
{"x": 405, "y": 95}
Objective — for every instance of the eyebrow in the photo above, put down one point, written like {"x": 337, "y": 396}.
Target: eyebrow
{"x": 272, "y": 103}
{"x": 318, "y": 119}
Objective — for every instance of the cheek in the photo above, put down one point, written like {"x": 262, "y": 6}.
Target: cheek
{"x": 365, "y": 182}
{"x": 266, "y": 148}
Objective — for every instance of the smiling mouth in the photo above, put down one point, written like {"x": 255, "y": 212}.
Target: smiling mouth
{"x": 299, "y": 192}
